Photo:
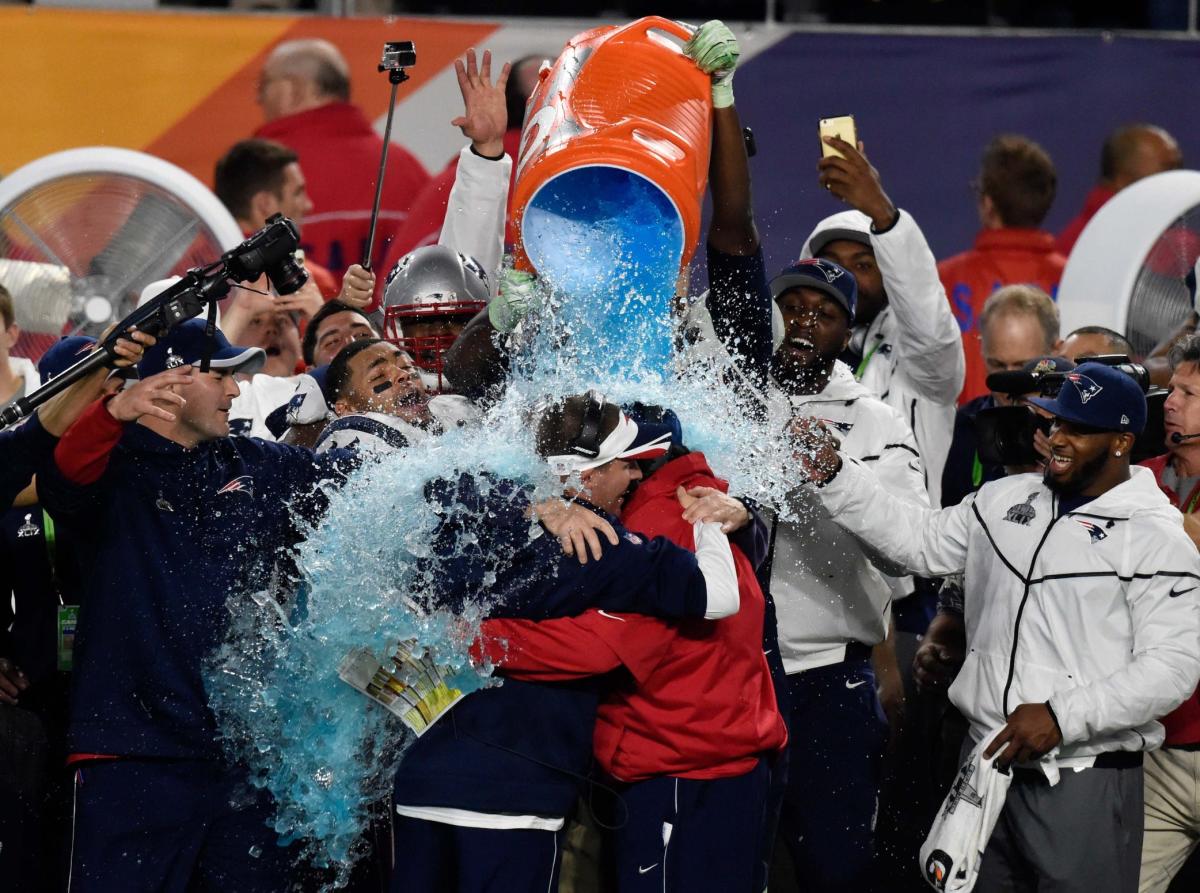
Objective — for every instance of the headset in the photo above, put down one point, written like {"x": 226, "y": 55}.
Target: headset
{"x": 587, "y": 442}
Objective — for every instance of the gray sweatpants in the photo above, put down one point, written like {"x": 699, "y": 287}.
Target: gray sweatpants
{"x": 1084, "y": 835}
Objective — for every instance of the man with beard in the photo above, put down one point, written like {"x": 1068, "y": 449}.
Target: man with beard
{"x": 381, "y": 400}
{"x": 1082, "y": 626}
{"x": 832, "y": 602}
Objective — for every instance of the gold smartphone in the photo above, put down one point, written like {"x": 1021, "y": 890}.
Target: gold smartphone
{"x": 841, "y": 127}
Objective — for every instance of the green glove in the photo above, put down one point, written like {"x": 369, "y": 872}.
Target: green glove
{"x": 715, "y": 51}
{"x": 518, "y": 295}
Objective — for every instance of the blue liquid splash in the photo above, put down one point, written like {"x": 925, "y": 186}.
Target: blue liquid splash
{"x": 323, "y": 750}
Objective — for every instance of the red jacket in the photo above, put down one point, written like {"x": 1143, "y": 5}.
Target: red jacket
{"x": 339, "y": 153}
{"x": 702, "y": 704}
{"x": 1095, "y": 200}
{"x": 1182, "y": 723}
{"x": 1000, "y": 257}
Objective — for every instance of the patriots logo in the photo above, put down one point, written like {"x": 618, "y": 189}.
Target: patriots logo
{"x": 844, "y": 427}
{"x": 633, "y": 538}
{"x": 1085, "y": 386}
{"x": 1095, "y": 531}
{"x": 297, "y": 401}
{"x": 474, "y": 267}
{"x": 243, "y": 483}
{"x": 828, "y": 270}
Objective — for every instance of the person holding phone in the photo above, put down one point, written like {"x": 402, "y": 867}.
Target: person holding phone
{"x": 905, "y": 345}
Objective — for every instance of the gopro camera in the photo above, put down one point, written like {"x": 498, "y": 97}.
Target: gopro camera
{"x": 398, "y": 55}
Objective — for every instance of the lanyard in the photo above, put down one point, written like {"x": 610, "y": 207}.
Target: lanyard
{"x": 1191, "y": 503}
{"x": 51, "y": 552}
{"x": 862, "y": 366}
{"x": 976, "y": 471}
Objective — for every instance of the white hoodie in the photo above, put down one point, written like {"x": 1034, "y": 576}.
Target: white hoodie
{"x": 1096, "y": 612}
{"x": 828, "y": 589}
{"x": 916, "y": 356}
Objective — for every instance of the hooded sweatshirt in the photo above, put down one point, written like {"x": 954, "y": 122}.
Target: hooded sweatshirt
{"x": 912, "y": 351}
{"x": 1095, "y": 611}
{"x": 829, "y": 590}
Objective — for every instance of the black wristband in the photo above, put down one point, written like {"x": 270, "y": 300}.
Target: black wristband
{"x": 479, "y": 154}
{"x": 887, "y": 229}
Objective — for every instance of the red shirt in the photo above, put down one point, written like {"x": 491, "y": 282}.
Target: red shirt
{"x": 703, "y": 705}
{"x": 339, "y": 153}
{"x": 1182, "y": 723}
{"x": 1094, "y": 202}
{"x": 1000, "y": 257}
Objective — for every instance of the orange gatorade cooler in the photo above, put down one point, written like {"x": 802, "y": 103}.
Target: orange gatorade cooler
{"x": 610, "y": 178}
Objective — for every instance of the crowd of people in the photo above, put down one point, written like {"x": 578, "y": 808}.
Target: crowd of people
{"x": 700, "y": 691}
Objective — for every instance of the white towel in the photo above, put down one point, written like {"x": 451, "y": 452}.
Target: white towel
{"x": 953, "y": 850}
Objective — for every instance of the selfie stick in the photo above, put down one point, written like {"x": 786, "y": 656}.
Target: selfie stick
{"x": 396, "y": 77}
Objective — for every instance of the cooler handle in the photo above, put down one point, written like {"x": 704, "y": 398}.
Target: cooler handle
{"x": 643, "y": 26}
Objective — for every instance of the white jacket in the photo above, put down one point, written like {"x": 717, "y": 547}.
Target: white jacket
{"x": 916, "y": 363}
{"x": 827, "y": 589}
{"x": 477, "y": 210}
{"x": 1096, "y": 612}
{"x": 380, "y": 433}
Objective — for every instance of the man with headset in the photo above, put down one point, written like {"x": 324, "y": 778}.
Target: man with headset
{"x": 481, "y": 798}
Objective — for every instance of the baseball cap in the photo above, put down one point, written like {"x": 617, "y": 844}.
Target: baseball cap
{"x": 188, "y": 343}
{"x": 822, "y": 275}
{"x": 1099, "y": 396}
{"x": 818, "y": 240}
{"x": 64, "y": 354}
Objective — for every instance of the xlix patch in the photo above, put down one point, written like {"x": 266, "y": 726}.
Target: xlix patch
{"x": 1023, "y": 512}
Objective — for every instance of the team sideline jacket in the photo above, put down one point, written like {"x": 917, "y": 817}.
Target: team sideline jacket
{"x": 700, "y": 703}
{"x": 171, "y": 534}
{"x": 1096, "y": 612}
{"x": 912, "y": 351}
{"x": 524, "y": 748}
{"x": 828, "y": 589}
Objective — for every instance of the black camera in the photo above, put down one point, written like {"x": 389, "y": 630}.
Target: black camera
{"x": 271, "y": 250}
{"x": 1005, "y": 433}
{"x": 397, "y": 55}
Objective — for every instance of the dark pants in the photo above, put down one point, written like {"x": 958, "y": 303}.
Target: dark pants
{"x": 35, "y": 797}
{"x": 442, "y": 858}
{"x": 171, "y": 825}
{"x": 1084, "y": 835}
{"x": 837, "y": 737}
{"x": 692, "y": 834}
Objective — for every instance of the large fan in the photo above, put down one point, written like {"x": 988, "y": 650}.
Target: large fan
{"x": 1128, "y": 270}
{"x": 82, "y": 232}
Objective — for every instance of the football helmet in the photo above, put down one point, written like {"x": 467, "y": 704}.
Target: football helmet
{"x": 433, "y": 284}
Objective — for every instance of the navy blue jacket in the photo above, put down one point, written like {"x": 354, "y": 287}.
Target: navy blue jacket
{"x": 22, "y": 452}
{"x": 172, "y": 533}
{"x": 37, "y": 588}
{"x": 739, "y": 302}
{"x": 524, "y": 747}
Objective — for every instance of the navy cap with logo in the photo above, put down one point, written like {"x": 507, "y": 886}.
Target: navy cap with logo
{"x": 820, "y": 275}
{"x": 1099, "y": 396}
{"x": 64, "y": 354}
{"x": 187, "y": 344}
